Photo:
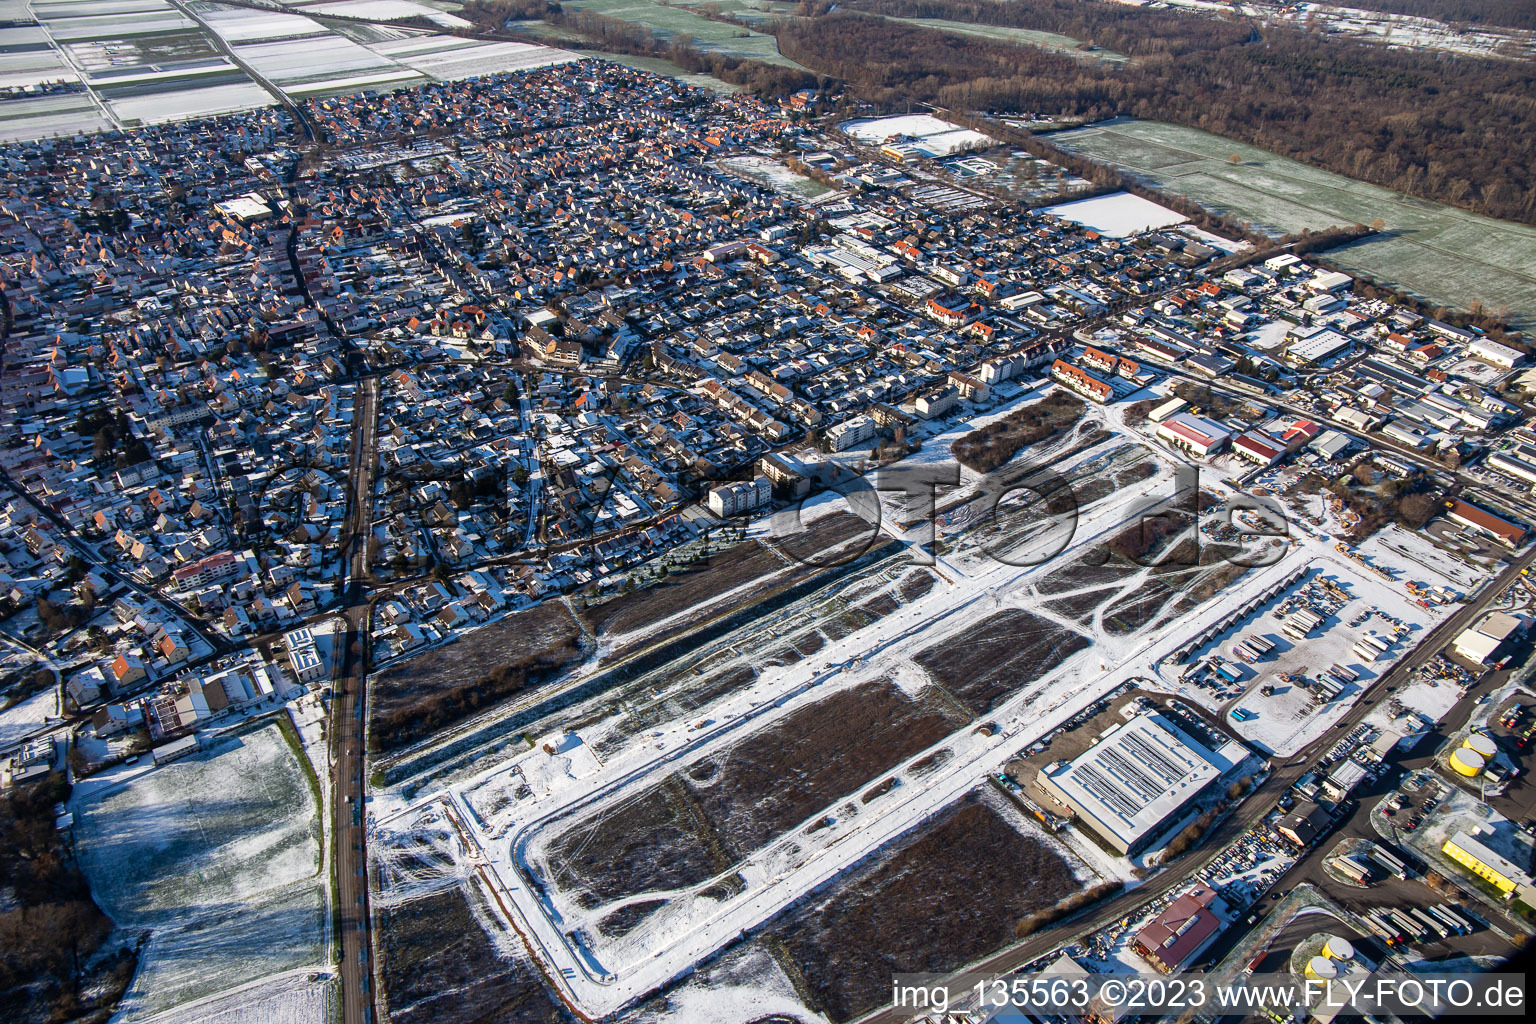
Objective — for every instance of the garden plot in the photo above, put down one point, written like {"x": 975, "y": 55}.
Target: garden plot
{"x": 218, "y": 857}
{"x": 935, "y": 900}
{"x": 1445, "y": 255}
{"x": 28, "y": 716}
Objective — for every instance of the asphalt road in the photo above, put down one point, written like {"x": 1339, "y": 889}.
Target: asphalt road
{"x": 347, "y": 720}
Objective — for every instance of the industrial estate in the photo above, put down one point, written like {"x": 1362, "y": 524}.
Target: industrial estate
{"x": 492, "y": 533}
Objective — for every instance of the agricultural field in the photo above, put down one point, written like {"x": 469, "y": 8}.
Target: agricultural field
{"x": 1443, "y": 255}
{"x": 1027, "y": 36}
{"x": 936, "y": 900}
{"x": 218, "y": 857}
{"x": 440, "y": 966}
{"x": 144, "y": 62}
{"x": 999, "y": 656}
{"x": 709, "y": 36}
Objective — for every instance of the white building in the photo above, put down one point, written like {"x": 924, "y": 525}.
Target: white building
{"x": 1498, "y": 355}
{"x": 740, "y": 498}
{"x": 1138, "y": 779}
{"x": 850, "y": 432}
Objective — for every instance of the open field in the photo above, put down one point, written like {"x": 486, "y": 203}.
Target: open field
{"x": 709, "y": 36}
{"x": 780, "y": 776}
{"x": 1443, "y": 255}
{"x": 694, "y": 825}
{"x": 999, "y": 656}
{"x": 440, "y": 967}
{"x": 950, "y": 894}
{"x": 1026, "y": 36}
{"x": 450, "y": 682}
{"x": 691, "y": 587}
{"x": 649, "y": 842}
{"x": 217, "y": 856}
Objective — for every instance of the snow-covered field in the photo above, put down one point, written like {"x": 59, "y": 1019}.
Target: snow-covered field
{"x": 939, "y": 137}
{"x": 914, "y": 126}
{"x": 773, "y": 173}
{"x": 1119, "y": 215}
{"x": 515, "y": 814}
{"x": 218, "y": 857}
{"x": 28, "y": 716}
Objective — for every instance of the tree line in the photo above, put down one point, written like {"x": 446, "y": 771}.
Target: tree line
{"x": 1500, "y": 13}
{"x": 1452, "y": 129}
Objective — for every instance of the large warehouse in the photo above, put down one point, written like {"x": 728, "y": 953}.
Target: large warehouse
{"x": 1138, "y": 779}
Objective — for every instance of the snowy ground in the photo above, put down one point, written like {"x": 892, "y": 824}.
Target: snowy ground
{"x": 916, "y": 126}
{"x": 218, "y": 857}
{"x": 1119, "y": 215}
{"x": 773, "y": 173}
{"x": 28, "y": 716}
{"x": 501, "y": 814}
{"x": 745, "y": 986}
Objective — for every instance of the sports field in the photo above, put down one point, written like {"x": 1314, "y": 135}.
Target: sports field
{"x": 1443, "y": 255}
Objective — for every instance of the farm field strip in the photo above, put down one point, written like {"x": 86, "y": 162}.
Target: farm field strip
{"x": 1445, "y": 255}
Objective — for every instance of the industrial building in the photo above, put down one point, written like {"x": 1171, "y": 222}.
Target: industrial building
{"x": 1489, "y": 639}
{"x": 1489, "y": 865}
{"x": 1486, "y": 523}
{"x": 1200, "y": 437}
{"x": 1138, "y": 779}
{"x": 1173, "y": 938}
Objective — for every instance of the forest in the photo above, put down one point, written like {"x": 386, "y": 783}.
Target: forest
{"x": 1450, "y": 129}
{"x": 1493, "y": 13}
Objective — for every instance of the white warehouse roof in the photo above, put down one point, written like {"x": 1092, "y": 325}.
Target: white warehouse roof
{"x": 1139, "y": 776}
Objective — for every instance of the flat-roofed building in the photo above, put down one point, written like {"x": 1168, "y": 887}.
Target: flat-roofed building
{"x": 1488, "y": 864}
{"x": 1482, "y": 643}
{"x": 1138, "y": 779}
{"x": 1194, "y": 434}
